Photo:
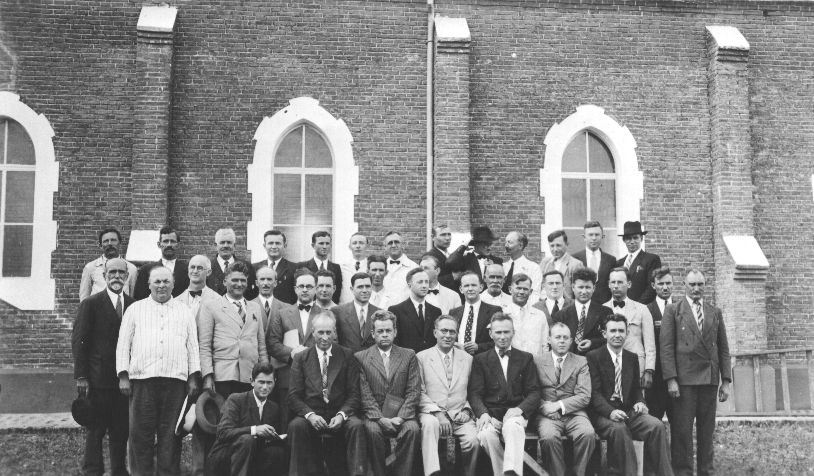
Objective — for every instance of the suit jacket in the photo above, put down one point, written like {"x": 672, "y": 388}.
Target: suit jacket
{"x": 541, "y": 306}
{"x": 592, "y": 329}
{"x": 305, "y": 386}
{"x": 180, "y": 275}
{"x": 349, "y": 334}
{"x": 238, "y": 415}
{"x": 603, "y": 381}
{"x": 571, "y": 264}
{"x": 404, "y": 381}
{"x": 332, "y": 267}
{"x": 229, "y": 347}
{"x": 485, "y": 313}
{"x": 689, "y": 355}
{"x": 640, "y": 270}
{"x": 274, "y": 308}
{"x": 94, "y": 338}
{"x": 458, "y": 261}
{"x": 440, "y": 256}
{"x": 215, "y": 280}
{"x": 438, "y": 394}
{"x": 607, "y": 262}
{"x": 491, "y": 392}
{"x": 287, "y": 319}
{"x": 284, "y": 290}
{"x": 574, "y": 386}
{"x": 412, "y": 333}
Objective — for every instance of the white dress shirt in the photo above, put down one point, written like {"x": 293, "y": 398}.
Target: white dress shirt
{"x": 260, "y": 406}
{"x": 446, "y": 299}
{"x": 503, "y": 300}
{"x": 504, "y": 362}
{"x": 305, "y": 316}
{"x": 593, "y": 259}
{"x": 380, "y": 299}
{"x": 169, "y": 264}
{"x": 661, "y": 303}
{"x": 549, "y": 304}
{"x": 462, "y": 325}
{"x": 114, "y": 298}
{"x": 222, "y": 262}
{"x": 633, "y": 258}
{"x": 530, "y": 269}
{"x": 395, "y": 282}
{"x": 530, "y": 329}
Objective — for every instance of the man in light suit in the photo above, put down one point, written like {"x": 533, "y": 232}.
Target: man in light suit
{"x": 357, "y": 263}
{"x": 353, "y": 319}
{"x": 93, "y": 280}
{"x": 274, "y": 241}
{"x": 444, "y": 410}
{"x": 225, "y": 239}
{"x": 198, "y": 270}
{"x": 640, "y": 339}
{"x": 504, "y": 392}
{"x": 516, "y": 244}
{"x": 560, "y": 260}
{"x": 553, "y": 299}
{"x": 324, "y": 396}
{"x": 474, "y": 316}
{"x": 640, "y": 263}
{"x": 584, "y": 317}
{"x": 695, "y": 361}
{"x": 658, "y": 401}
{"x": 398, "y": 265}
{"x": 168, "y": 242}
{"x": 593, "y": 257}
{"x": 566, "y": 394}
{"x": 266, "y": 280}
{"x": 321, "y": 243}
{"x": 415, "y": 315}
{"x": 391, "y": 390}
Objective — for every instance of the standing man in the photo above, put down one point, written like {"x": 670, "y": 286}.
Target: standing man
{"x": 439, "y": 296}
{"x": 493, "y": 294}
{"x": 475, "y": 256}
{"x": 324, "y": 396}
{"x": 266, "y": 281}
{"x": 474, "y": 316}
{"x": 566, "y": 394}
{"x": 658, "y": 401}
{"x": 274, "y": 242}
{"x": 640, "y": 263}
{"x": 93, "y": 279}
{"x": 398, "y": 265}
{"x": 560, "y": 260}
{"x": 593, "y": 257}
{"x": 441, "y": 239}
{"x": 530, "y": 324}
{"x": 199, "y": 268}
{"x": 619, "y": 412}
{"x": 390, "y": 383}
{"x": 353, "y": 319}
{"x": 415, "y": 315}
{"x": 168, "y": 242}
{"x": 695, "y": 361}
{"x": 156, "y": 354}
{"x": 553, "y": 297}
{"x": 321, "y": 243}
{"x": 326, "y": 288}
{"x": 225, "y": 243}
{"x": 444, "y": 410}
{"x": 503, "y": 409}
{"x": 377, "y": 268}
{"x": 516, "y": 244}
{"x": 584, "y": 317}
{"x": 358, "y": 262}
{"x": 94, "y": 337}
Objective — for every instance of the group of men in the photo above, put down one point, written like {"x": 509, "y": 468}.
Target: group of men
{"x": 317, "y": 375}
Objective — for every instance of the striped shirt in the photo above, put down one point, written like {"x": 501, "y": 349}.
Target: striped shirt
{"x": 158, "y": 340}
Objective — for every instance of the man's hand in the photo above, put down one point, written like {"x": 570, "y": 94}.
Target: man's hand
{"x": 335, "y": 422}
{"x": 124, "y": 384}
{"x": 672, "y": 388}
{"x": 397, "y": 422}
{"x": 82, "y": 388}
{"x": 387, "y": 425}
{"x": 723, "y": 392}
{"x": 266, "y": 432}
{"x": 297, "y": 350}
{"x": 192, "y": 387}
{"x": 550, "y": 407}
{"x": 497, "y": 424}
{"x": 513, "y": 412}
{"x": 444, "y": 423}
{"x": 554, "y": 416}
{"x": 471, "y": 348}
{"x": 647, "y": 379}
{"x": 584, "y": 345}
{"x": 640, "y": 408}
{"x": 618, "y": 415}
{"x": 209, "y": 384}
{"x": 484, "y": 420}
{"x": 317, "y": 422}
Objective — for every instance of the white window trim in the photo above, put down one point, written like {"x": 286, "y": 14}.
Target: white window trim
{"x": 346, "y": 175}
{"x": 38, "y": 292}
{"x": 622, "y": 145}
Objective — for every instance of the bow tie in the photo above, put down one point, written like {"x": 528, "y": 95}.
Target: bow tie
{"x": 304, "y": 307}
{"x": 433, "y": 291}
{"x": 395, "y": 261}
{"x": 196, "y": 293}
{"x": 504, "y": 353}
{"x": 619, "y": 304}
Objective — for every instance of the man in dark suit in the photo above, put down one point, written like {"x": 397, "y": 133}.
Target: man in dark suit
{"x": 248, "y": 441}
{"x": 353, "y": 319}
{"x": 274, "y": 241}
{"x": 618, "y": 409}
{"x": 695, "y": 360}
{"x": 553, "y": 298}
{"x": 584, "y": 317}
{"x": 94, "y": 338}
{"x": 474, "y": 316}
{"x": 321, "y": 243}
{"x": 639, "y": 262}
{"x": 475, "y": 256}
{"x": 441, "y": 239}
{"x": 658, "y": 401}
{"x": 225, "y": 239}
{"x": 324, "y": 396}
{"x": 390, "y": 383}
{"x": 416, "y": 317}
{"x": 266, "y": 280}
{"x": 504, "y": 392}
{"x": 168, "y": 242}
{"x": 593, "y": 257}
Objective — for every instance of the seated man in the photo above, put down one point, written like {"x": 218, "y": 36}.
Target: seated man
{"x": 444, "y": 410}
{"x": 618, "y": 409}
{"x": 247, "y": 440}
{"x": 566, "y": 393}
{"x": 504, "y": 392}
{"x": 324, "y": 395}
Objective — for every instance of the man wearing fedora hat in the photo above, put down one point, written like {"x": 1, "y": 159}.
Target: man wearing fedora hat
{"x": 639, "y": 262}
{"x": 475, "y": 256}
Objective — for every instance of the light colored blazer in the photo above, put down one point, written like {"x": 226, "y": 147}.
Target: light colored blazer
{"x": 228, "y": 347}
{"x": 641, "y": 337}
{"x": 571, "y": 264}
{"x": 574, "y": 386}
{"x": 436, "y": 394}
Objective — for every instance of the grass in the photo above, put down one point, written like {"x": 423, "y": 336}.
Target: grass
{"x": 764, "y": 448}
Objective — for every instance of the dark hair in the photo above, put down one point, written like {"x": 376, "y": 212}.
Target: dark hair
{"x": 109, "y": 230}
{"x": 275, "y": 233}
{"x": 554, "y": 271}
{"x": 583, "y": 274}
{"x": 167, "y": 230}
{"x": 237, "y": 266}
{"x": 524, "y": 240}
{"x": 319, "y": 234}
{"x": 615, "y": 317}
{"x": 521, "y": 277}
{"x": 436, "y": 227}
{"x": 445, "y": 316}
{"x": 592, "y": 224}
{"x": 659, "y": 273}
{"x": 620, "y": 269}
{"x": 326, "y": 274}
{"x": 376, "y": 259}
{"x": 471, "y": 273}
{"x": 358, "y": 276}
{"x": 412, "y": 273}
{"x": 432, "y": 257}
{"x": 559, "y": 325}
{"x": 304, "y": 272}
{"x": 391, "y": 232}
{"x": 262, "y": 368}
{"x": 382, "y": 315}
{"x": 500, "y": 316}
{"x": 556, "y": 234}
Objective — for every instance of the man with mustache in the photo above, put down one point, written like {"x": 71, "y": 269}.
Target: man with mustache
{"x": 93, "y": 279}
{"x": 225, "y": 239}
{"x": 168, "y": 242}
{"x": 493, "y": 294}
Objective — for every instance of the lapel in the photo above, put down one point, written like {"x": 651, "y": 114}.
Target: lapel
{"x": 636, "y": 262}
{"x": 411, "y": 311}
{"x": 374, "y": 359}
{"x": 710, "y": 323}
{"x": 688, "y": 319}
{"x": 591, "y": 316}
{"x": 569, "y": 365}
{"x": 334, "y": 364}
{"x": 513, "y": 368}
{"x": 396, "y": 361}
{"x": 458, "y": 367}
{"x": 294, "y": 316}
{"x": 655, "y": 312}
{"x": 482, "y": 318}
{"x": 627, "y": 377}
{"x": 254, "y": 415}
{"x": 494, "y": 366}
{"x": 230, "y": 310}
{"x": 313, "y": 369}
{"x": 549, "y": 369}
{"x": 438, "y": 366}
{"x": 306, "y": 337}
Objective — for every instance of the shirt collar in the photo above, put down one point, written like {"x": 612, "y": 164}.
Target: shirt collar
{"x": 589, "y": 252}
{"x": 242, "y": 301}
{"x": 497, "y": 351}
{"x": 359, "y": 306}
{"x": 165, "y": 262}
{"x": 636, "y": 254}
{"x": 264, "y": 300}
{"x": 614, "y": 355}
{"x": 442, "y": 354}
{"x": 385, "y": 353}
{"x": 563, "y": 258}
{"x": 689, "y": 300}
{"x": 114, "y": 297}
{"x": 554, "y": 357}
{"x": 257, "y": 400}
{"x": 416, "y": 303}
{"x": 320, "y": 352}
{"x": 665, "y": 302}
{"x": 320, "y": 261}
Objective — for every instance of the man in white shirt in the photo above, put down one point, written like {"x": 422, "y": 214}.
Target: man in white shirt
{"x": 439, "y": 296}
{"x": 168, "y": 242}
{"x": 531, "y": 327}
{"x": 640, "y": 339}
{"x": 274, "y": 242}
{"x": 560, "y": 259}
{"x": 377, "y": 268}
{"x": 553, "y": 298}
{"x": 515, "y": 245}
{"x": 199, "y": 269}
{"x": 494, "y": 294}
{"x": 658, "y": 401}
{"x": 595, "y": 258}
{"x": 398, "y": 265}
{"x": 357, "y": 263}
{"x": 93, "y": 274}
{"x": 474, "y": 316}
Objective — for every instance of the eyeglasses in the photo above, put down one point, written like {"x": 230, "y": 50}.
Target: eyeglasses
{"x": 304, "y": 287}
{"x": 393, "y": 242}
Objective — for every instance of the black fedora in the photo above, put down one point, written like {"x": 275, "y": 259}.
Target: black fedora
{"x": 482, "y": 234}
{"x": 82, "y": 412}
{"x": 632, "y": 228}
{"x": 207, "y": 412}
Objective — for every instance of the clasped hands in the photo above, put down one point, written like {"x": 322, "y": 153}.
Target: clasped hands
{"x": 320, "y": 424}
{"x": 487, "y": 419}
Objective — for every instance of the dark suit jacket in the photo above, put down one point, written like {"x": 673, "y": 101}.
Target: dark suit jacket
{"x": 485, "y": 312}
{"x": 693, "y": 357}
{"x": 457, "y": 261}
{"x": 284, "y": 291}
{"x": 541, "y": 306}
{"x": 332, "y": 267}
{"x": 305, "y": 386}
{"x": 404, "y": 381}
{"x": 603, "y": 381}
{"x": 347, "y": 326}
{"x": 94, "y": 338}
{"x": 412, "y": 333}
{"x": 640, "y": 269}
{"x": 238, "y": 415}
{"x": 439, "y": 256}
{"x": 215, "y": 280}
{"x": 491, "y": 392}
{"x": 607, "y": 262}
{"x": 592, "y": 330}
{"x": 180, "y": 276}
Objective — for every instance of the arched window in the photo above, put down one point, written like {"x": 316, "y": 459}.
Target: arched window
{"x": 16, "y": 199}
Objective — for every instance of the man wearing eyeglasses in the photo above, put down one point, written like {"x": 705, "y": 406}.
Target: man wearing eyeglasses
{"x": 398, "y": 265}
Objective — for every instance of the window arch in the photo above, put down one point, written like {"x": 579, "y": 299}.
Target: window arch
{"x": 302, "y": 179}
{"x": 590, "y": 173}
{"x": 28, "y": 178}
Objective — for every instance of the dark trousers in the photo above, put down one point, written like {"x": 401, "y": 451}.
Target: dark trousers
{"x": 621, "y": 453}
{"x": 344, "y": 454}
{"x": 111, "y": 408}
{"x": 697, "y": 402}
{"x": 248, "y": 455}
{"x": 407, "y": 445}
{"x": 202, "y": 441}
{"x": 280, "y": 395}
{"x": 154, "y": 407}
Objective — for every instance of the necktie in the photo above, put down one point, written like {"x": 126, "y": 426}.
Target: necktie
{"x": 556, "y": 308}
{"x": 225, "y": 265}
{"x": 240, "y": 311}
{"x": 362, "y": 321}
{"x": 304, "y": 307}
{"x": 592, "y": 262}
{"x": 617, "y": 370}
{"x": 628, "y": 261}
{"x": 470, "y": 320}
{"x": 503, "y": 352}
{"x": 325, "y": 376}
{"x": 434, "y": 291}
{"x": 508, "y": 279}
{"x": 558, "y": 369}
{"x": 581, "y": 325}
{"x": 395, "y": 261}
{"x": 267, "y": 306}
{"x": 322, "y": 266}
{"x": 699, "y": 314}
{"x": 119, "y": 306}
{"x": 386, "y": 361}
{"x": 619, "y": 304}
{"x": 421, "y": 313}
{"x": 274, "y": 265}
{"x": 196, "y": 293}
{"x": 357, "y": 266}
{"x": 448, "y": 368}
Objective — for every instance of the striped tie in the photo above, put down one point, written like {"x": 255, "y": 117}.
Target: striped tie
{"x": 581, "y": 324}
{"x": 240, "y": 311}
{"x": 617, "y": 368}
{"x": 448, "y": 368}
{"x": 699, "y": 314}
{"x": 325, "y": 376}
{"x": 558, "y": 369}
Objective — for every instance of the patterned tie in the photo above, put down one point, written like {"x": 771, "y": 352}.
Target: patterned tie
{"x": 617, "y": 370}
{"x": 386, "y": 362}
{"x": 421, "y": 313}
{"x": 267, "y": 306}
{"x": 699, "y": 314}
{"x": 448, "y": 368}
{"x": 470, "y": 320}
{"x": 362, "y": 321}
{"x": 558, "y": 369}
{"x": 119, "y": 306}
{"x": 325, "y": 376}
{"x": 240, "y": 311}
{"x": 556, "y": 308}
{"x": 225, "y": 265}
{"x": 322, "y": 266}
{"x": 628, "y": 261}
{"x": 357, "y": 266}
{"x": 581, "y": 324}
